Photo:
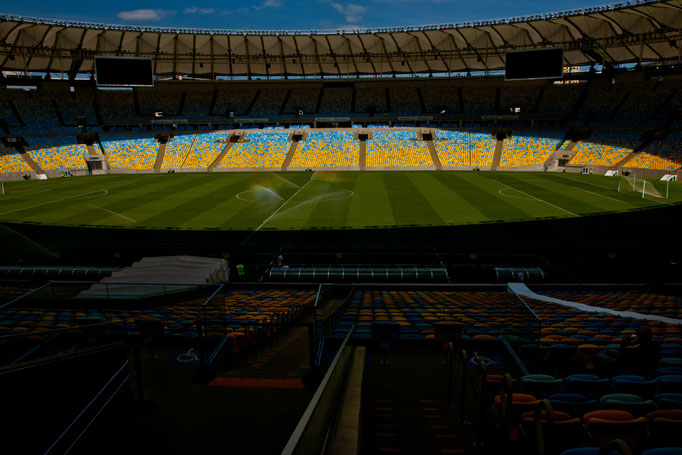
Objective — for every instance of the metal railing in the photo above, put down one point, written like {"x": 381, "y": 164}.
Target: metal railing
{"x": 311, "y": 432}
{"x": 531, "y": 329}
{"x": 75, "y": 430}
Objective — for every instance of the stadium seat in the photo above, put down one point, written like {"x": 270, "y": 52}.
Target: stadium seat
{"x": 665, "y": 427}
{"x": 588, "y": 384}
{"x": 634, "y": 384}
{"x": 573, "y": 403}
{"x": 541, "y": 385}
{"x": 606, "y": 425}
{"x": 627, "y": 402}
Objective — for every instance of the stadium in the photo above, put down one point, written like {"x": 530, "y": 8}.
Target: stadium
{"x": 453, "y": 238}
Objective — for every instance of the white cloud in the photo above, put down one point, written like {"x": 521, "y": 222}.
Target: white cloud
{"x": 349, "y": 28}
{"x": 150, "y": 15}
{"x": 352, "y": 12}
{"x": 197, "y": 10}
{"x": 241, "y": 10}
{"x": 267, "y": 4}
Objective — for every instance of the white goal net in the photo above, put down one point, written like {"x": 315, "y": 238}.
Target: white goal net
{"x": 638, "y": 185}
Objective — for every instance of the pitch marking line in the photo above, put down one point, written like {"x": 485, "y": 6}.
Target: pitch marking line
{"x": 25, "y": 194}
{"x": 535, "y": 197}
{"x": 502, "y": 192}
{"x": 276, "y": 211}
{"x": 597, "y": 194}
{"x": 596, "y": 186}
{"x": 113, "y": 213}
{"x": 283, "y": 204}
{"x": 65, "y": 199}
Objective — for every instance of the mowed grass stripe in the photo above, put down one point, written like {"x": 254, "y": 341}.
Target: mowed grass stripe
{"x": 25, "y": 188}
{"x": 609, "y": 186}
{"x": 450, "y": 206}
{"x": 335, "y": 202}
{"x": 488, "y": 202}
{"x": 233, "y": 212}
{"x": 153, "y": 197}
{"x": 607, "y": 198}
{"x": 88, "y": 210}
{"x": 408, "y": 204}
{"x": 246, "y": 215}
{"x": 566, "y": 191}
{"x": 297, "y": 210}
{"x": 561, "y": 203}
{"x": 250, "y": 215}
{"x": 44, "y": 198}
{"x": 370, "y": 205}
{"x": 533, "y": 206}
{"x": 187, "y": 205}
{"x": 379, "y": 199}
{"x": 63, "y": 205}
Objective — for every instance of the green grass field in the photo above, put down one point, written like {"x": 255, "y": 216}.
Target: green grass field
{"x": 307, "y": 200}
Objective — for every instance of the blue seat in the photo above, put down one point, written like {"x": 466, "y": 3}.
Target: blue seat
{"x": 588, "y": 451}
{"x": 572, "y": 403}
{"x": 669, "y": 370}
{"x": 669, "y": 400}
{"x": 637, "y": 385}
{"x": 664, "y": 451}
{"x": 588, "y": 384}
{"x": 670, "y": 383}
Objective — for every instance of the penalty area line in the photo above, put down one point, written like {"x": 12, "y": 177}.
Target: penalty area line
{"x": 536, "y": 198}
{"x": 602, "y": 195}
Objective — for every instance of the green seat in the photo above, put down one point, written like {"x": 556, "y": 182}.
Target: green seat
{"x": 670, "y": 362}
{"x": 541, "y": 384}
{"x": 627, "y": 402}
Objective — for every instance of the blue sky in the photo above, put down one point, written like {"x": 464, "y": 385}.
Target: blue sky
{"x": 286, "y": 14}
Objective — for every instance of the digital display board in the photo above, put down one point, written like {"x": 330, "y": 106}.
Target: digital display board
{"x": 535, "y": 64}
{"x": 124, "y": 72}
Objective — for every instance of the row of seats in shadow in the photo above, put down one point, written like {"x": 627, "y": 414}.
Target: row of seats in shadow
{"x": 581, "y": 411}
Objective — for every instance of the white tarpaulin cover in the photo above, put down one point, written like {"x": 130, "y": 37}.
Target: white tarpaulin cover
{"x": 160, "y": 275}
{"x": 522, "y": 290}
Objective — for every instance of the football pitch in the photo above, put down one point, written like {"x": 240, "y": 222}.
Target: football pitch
{"x": 260, "y": 201}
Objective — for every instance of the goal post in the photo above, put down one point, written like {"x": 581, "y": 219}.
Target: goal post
{"x": 632, "y": 184}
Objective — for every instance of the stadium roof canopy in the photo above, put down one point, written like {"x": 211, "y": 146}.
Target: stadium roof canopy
{"x": 630, "y": 32}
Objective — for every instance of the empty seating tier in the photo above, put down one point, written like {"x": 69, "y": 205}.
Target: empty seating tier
{"x": 177, "y": 150}
{"x": 336, "y": 101}
{"x": 605, "y": 148}
{"x": 397, "y": 149}
{"x": 528, "y": 148}
{"x": 258, "y": 150}
{"x": 206, "y": 149}
{"x": 57, "y": 152}
{"x": 134, "y": 152}
{"x": 12, "y": 162}
{"x": 327, "y": 149}
{"x": 660, "y": 154}
{"x": 302, "y": 100}
{"x": 645, "y": 303}
{"x": 489, "y": 315}
{"x": 463, "y": 148}
{"x": 240, "y": 306}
